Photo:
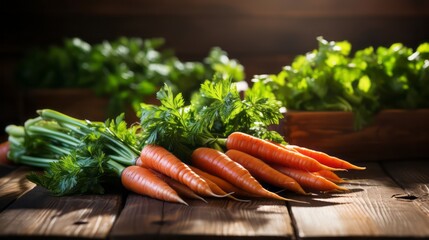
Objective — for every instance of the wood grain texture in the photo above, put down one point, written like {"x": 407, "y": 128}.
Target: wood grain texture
{"x": 13, "y": 185}
{"x": 413, "y": 176}
{"x": 141, "y": 216}
{"x": 38, "y": 214}
{"x": 367, "y": 211}
{"x": 217, "y": 219}
{"x": 394, "y": 134}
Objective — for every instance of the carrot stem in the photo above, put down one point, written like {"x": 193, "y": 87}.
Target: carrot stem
{"x": 116, "y": 167}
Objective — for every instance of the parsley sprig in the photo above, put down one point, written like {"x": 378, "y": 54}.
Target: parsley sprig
{"x": 78, "y": 156}
{"x": 217, "y": 110}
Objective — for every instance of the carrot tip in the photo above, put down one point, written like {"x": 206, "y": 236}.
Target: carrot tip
{"x": 342, "y": 180}
{"x": 287, "y": 199}
{"x": 239, "y": 199}
{"x": 221, "y": 195}
{"x": 197, "y": 197}
{"x": 341, "y": 189}
{"x": 337, "y": 169}
{"x": 183, "y": 202}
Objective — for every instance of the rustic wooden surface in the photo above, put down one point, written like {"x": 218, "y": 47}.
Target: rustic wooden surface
{"x": 13, "y": 185}
{"x": 414, "y": 178}
{"x": 369, "y": 210}
{"x": 394, "y": 134}
{"x": 219, "y": 218}
{"x": 388, "y": 200}
{"x": 38, "y": 214}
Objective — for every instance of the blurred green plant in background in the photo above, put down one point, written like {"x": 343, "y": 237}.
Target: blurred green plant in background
{"x": 126, "y": 71}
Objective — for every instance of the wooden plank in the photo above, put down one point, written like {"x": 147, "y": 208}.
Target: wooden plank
{"x": 413, "y": 176}
{"x": 219, "y": 218}
{"x": 368, "y": 210}
{"x": 141, "y": 216}
{"x": 38, "y": 214}
{"x": 13, "y": 185}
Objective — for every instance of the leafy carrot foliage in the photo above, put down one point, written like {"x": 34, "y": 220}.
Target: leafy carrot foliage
{"x": 217, "y": 110}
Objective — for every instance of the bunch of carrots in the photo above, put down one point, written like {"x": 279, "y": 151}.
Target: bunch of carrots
{"x": 238, "y": 173}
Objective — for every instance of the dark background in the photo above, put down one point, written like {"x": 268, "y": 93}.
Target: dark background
{"x": 263, "y": 35}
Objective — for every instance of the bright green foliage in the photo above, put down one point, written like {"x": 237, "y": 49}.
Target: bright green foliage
{"x": 225, "y": 111}
{"x": 215, "y": 111}
{"x": 167, "y": 125}
{"x": 82, "y": 171}
{"x": 330, "y": 78}
{"x": 130, "y": 136}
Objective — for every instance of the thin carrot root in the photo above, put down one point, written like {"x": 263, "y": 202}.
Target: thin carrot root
{"x": 331, "y": 176}
{"x": 180, "y": 188}
{"x": 310, "y": 181}
{"x": 272, "y": 153}
{"x": 325, "y": 159}
{"x": 224, "y": 185}
{"x": 142, "y": 181}
{"x": 215, "y": 188}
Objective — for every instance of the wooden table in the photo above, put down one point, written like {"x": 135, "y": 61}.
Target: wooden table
{"x": 388, "y": 200}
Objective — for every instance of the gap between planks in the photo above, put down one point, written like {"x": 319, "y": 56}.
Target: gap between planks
{"x": 413, "y": 177}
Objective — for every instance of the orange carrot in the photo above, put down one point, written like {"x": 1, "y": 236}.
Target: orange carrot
{"x": 214, "y": 187}
{"x": 263, "y": 172}
{"x": 180, "y": 188}
{"x": 325, "y": 159}
{"x": 142, "y": 181}
{"x": 4, "y": 149}
{"x": 331, "y": 176}
{"x": 160, "y": 159}
{"x": 219, "y": 164}
{"x": 310, "y": 181}
{"x": 226, "y": 186}
{"x": 270, "y": 153}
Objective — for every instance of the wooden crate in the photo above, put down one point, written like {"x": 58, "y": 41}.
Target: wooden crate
{"x": 79, "y": 103}
{"x": 76, "y": 102}
{"x": 394, "y": 134}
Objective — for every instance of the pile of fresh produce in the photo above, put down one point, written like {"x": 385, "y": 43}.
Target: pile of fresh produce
{"x": 126, "y": 70}
{"x": 331, "y": 78}
{"x": 219, "y": 145}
